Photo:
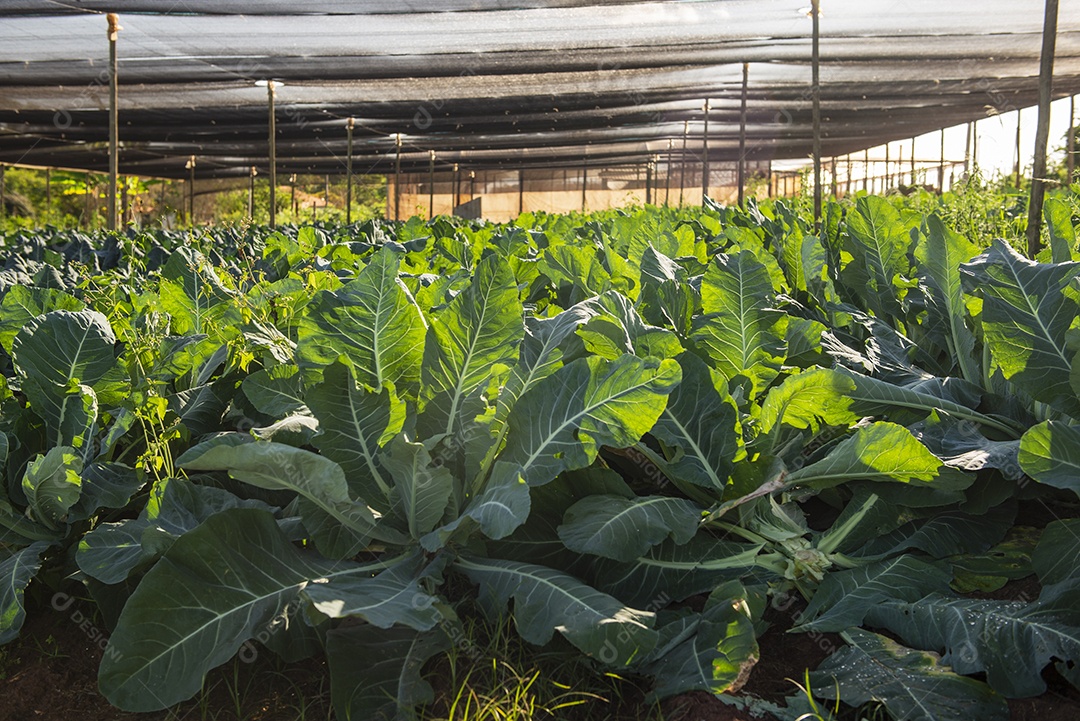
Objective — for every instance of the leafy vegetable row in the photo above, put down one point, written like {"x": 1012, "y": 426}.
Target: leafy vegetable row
{"x": 317, "y": 440}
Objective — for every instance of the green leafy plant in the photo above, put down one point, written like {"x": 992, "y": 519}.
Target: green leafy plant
{"x": 629, "y": 434}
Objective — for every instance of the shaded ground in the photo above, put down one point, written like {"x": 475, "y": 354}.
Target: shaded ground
{"x": 50, "y": 674}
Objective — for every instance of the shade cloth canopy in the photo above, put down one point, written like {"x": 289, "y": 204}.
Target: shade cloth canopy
{"x": 503, "y": 83}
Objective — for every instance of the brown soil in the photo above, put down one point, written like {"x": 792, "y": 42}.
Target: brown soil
{"x": 783, "y": 662}
{"x": 703, "y": 706}
{"x": 50, "y": 674}
{"x": 1061, "y": 702}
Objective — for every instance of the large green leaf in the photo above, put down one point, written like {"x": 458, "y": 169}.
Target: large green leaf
{"x": 546, "y": 601}
{"x": 700, "y": 424}
{"x": 194, "y": 296}
{"x": 421, "y": 490}
{"x": 941, "y": 256}
{"x": 480, "y": 329}
{"x": 354, "y": 424}
{"x": 845, "y": 597}
{"x": 872, "y": 396}
{"x": 561, "y": 423}
{"x": 1027, "y": 310}
{"x": 1058, "y": 214}
{"x": 540, "y": 357}
{"x": 880, "y": 452}
{"x": 190, "y": 268}
{"x": 1055, "y": 559}
{"x": 672, "y": 572}
{"x": 70, "y": 413}
{"x": 386, "y": 685}
{"x": 52, "y": 485}
{"x": 275, "y": 391}
{"x": 16, "y": 572}
{"x": 216, "y": 587}
{"x": 666, "y": 297}
{"x": 373, "y": 322}
{"x": 945, "y": 534}
{"x": 912, "y": 685}
{"x": 809, "y": 399}
{"x": 498, "y": 511}
{"x": 577, "y": 267}
{"x": 718, "y": 653}
{"x": 61, "y": 347}
{"x": 392, "y": 597}
{"x": 618, "y": 328}
{"x": 878, "y": 242}
{"x": 22, "y": 304}
{"x": 1010, "y": 641}
{"x": 1050, "y": 453}
{"x": 112, "y": 551}
{"x": 815, "y": 262}
{"x": 105, "y": 485}
{"x": 277, "y": 467}
{"x": 624, "y": 529}
{"x": 740, "y": 332}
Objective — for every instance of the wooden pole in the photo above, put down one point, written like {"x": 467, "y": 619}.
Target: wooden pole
{"x": 815, "y": 10}
{"x": 742, "y": 135}
{"x": 457, "y": 187}
{"x": 975, "y": 146}
{"x": 349, "y": 125}
{"x": 885, "y": 186}
{"x": 705, "y": 155}
{"x": 584, "y": 182}
{"x": 251, "y": 194}
{"x": 273, "y": 152}
{"x": 3, "y": 191}
{"x": 48, "y": 195}
{"x": 125, "y": 203}
{"x": 114, "y": 119}
{"x": 682, "y": 170}
{"x": 292, "y": 196}
{"x": 967, "y": 150}
{"x": 397, "y": 177}
{"x": 1042, "y": 133}
{"x": 941, "y": 167}
{"x": 1070, "y": 145}
{"x": 521, "y": 191}
{"x": 431, "y": 184}
{"x": 832, "y": 173}
{"x": 191, "y": 190}
{"x": 1016, "y": 181}
{"x": 847, "y": 177}
{"x": 866, "y": 171}
{"x": 648, "y": 182}
{"x": 914, "y": 179}
{"x": 667, "y": 173}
